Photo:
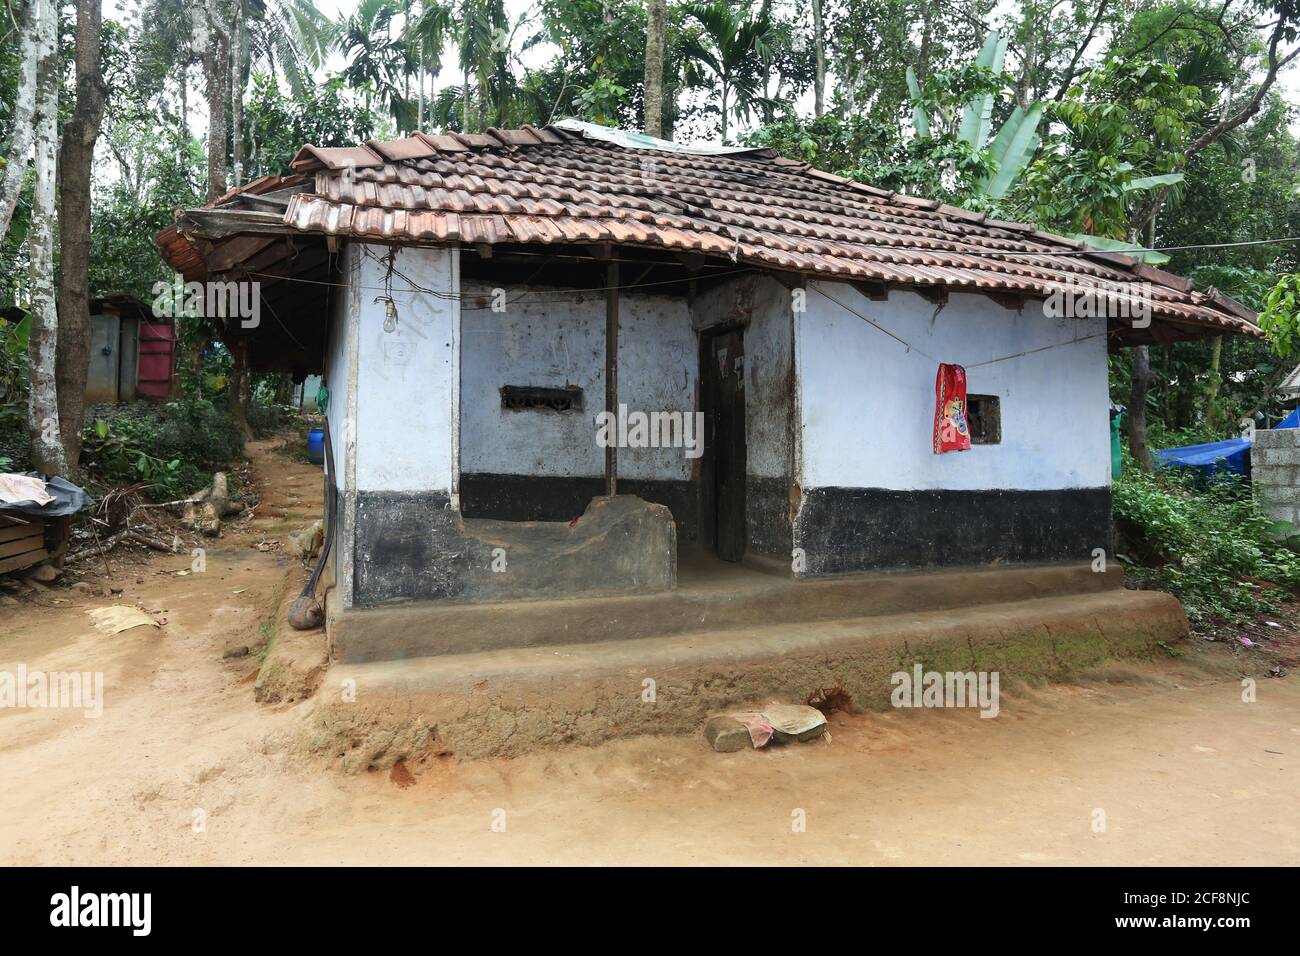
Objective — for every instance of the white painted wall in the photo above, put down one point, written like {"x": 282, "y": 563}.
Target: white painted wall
{"x": 406, "y": 380}
{"x": 556, "y": 337}
{"x": 867, "y": 403}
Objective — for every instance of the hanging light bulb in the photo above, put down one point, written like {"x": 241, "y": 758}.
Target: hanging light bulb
{"x": 390, "y": 313}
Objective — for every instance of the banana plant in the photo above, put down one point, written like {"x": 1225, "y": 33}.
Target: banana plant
{"x": 1016, "y": 140}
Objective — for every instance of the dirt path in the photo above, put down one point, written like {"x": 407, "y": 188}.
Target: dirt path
{"x": 1183, "y": 770}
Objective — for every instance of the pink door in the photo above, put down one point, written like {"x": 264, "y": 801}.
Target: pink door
{"x": 157, "y": 359}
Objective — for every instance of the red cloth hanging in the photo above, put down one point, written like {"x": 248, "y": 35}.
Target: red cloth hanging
{"x": 951, "y": 432}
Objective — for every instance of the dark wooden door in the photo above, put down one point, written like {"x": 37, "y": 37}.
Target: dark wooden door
{"x": 723, "y": 377}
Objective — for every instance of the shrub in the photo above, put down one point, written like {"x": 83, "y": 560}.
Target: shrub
{"x": 1212, "y": 546}
{"x": 175, "y": 447}
{"x": 15, "y": 443}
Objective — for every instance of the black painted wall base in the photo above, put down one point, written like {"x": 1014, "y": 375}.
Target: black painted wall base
{"x": 767, "y": 516}
{"x": 843, "y": 530}
{"x": 538, "y": 498}
{"x": 407, "y": 545}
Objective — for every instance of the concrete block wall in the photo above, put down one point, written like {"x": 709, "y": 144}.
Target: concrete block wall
{"x": 1275, "y": 469}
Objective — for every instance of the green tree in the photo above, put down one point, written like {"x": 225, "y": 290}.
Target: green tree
{"x": 730, "y": 49}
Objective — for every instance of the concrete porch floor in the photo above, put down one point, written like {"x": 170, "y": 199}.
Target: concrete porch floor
{"x": 591, "y": 670}
{"x": 711, "y": 596}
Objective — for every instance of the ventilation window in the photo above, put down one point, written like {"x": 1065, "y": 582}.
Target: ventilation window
{"x": 984, "y": 415}
{"x": 519, "y": 398}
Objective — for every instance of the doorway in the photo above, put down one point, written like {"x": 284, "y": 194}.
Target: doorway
{"x": 722, "y": 475}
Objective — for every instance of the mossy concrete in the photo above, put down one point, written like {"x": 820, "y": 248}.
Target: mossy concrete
{"x": 513, "y": 701}
{"x": 711, "y": 596}
{"x": 293, "y": 662}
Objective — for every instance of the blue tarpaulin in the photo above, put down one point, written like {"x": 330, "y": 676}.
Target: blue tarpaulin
{"x": 1217, "y": 457}
{"x": 1212, "y": 458}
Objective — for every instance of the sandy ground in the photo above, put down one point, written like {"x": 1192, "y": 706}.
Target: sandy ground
{"x": 184, "y": 767}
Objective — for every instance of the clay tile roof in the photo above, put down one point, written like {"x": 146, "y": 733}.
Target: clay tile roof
{"x": 336, "y": 158}
{"x": 572, "y": 183}
{"x": 413, "y": 147}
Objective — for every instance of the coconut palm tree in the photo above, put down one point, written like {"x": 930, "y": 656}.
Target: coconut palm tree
{"x": 378, "y": 59}
{"x": 733, "y": 47}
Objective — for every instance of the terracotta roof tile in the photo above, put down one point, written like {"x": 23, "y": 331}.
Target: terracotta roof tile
{"x": 550, "y": 185}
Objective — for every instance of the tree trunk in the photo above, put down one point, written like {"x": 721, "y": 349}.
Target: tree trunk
{"x": 819, "y": 51}
{"x": 1137, "y": 409}
{"x": 42, "y": 402}
{"x": 212, "y": 45}
{"x": 655, "y": 24}
{"x": 238, "y": 53}
{"x": 77, "y": 153}
{"x": 419, "y": 109}
{"x": 184, "y": 125}
{"x": 1212, "y": 390}
{"x": 923, "y": 55}
{"x": 237, "y": 392}
{"x": 22, "y": 131}
{"x": 464, "y": 101}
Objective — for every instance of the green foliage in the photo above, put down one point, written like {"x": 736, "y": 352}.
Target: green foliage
{"x": 952, "y": 154}
{"x": 1281, "y": 314}
{"x": 14, "y": 335}
{"x": 728, "y": 46}
{"x": 14, "y": 440}
{"x": 940, "y": 166}
{"x": 972, "y": 92}
{"x": 174, "y": 447}
{"x": 1210, "y": 546}
{"x": 601, "y": 44}
{"x": 279, "y": 125}
{"x": 128, "y": 213}
{"x": 115, "y": 457}
{"x": 1122, "y": 128}
{"x": 601, "y": 102}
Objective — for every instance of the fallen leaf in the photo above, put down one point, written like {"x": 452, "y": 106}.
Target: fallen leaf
{"x": 119, "y": 617}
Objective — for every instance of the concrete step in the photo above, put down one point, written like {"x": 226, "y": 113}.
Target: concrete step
{"x": 514, "y": 700}
{"x": 716, "y": 602}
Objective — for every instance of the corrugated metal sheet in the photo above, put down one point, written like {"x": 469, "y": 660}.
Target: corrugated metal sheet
{"x": 549, "y": 186}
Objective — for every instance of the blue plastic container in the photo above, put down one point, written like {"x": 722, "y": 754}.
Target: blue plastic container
{"x": 316, "y": 446}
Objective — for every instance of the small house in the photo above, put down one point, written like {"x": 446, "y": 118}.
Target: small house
{"x": 568, "y": 362}
{"x": 132, "y": 351}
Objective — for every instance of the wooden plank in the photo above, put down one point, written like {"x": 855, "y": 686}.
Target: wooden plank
{"x": 18, "y": 562}
{"x": 20, "y": 545}
{"x": 15, "y": 531}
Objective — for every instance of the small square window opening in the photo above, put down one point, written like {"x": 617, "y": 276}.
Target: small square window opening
{"x": 519, "y": 398}
{"x": 984, "y": 416}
